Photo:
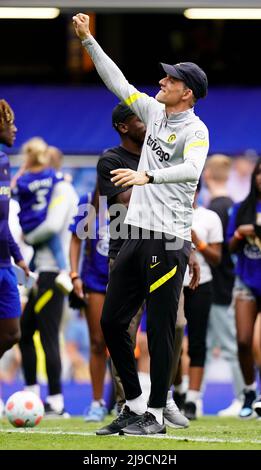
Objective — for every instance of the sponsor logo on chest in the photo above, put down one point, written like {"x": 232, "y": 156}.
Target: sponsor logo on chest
{"x": 154, "y": 145}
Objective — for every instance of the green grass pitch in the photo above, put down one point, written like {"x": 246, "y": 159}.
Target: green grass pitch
{"x": 210, "y": 433}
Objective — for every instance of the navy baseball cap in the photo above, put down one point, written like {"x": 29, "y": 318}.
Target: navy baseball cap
{"x": 120, "y": 113}
{"x": 191, "y": 74}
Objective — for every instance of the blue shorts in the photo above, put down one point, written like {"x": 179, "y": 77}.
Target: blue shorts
{"x": 95, "y": 283}
{"x": 10, "y": 306}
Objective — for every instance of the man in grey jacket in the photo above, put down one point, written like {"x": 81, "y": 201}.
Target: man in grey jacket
{"x": 152, "y": 262}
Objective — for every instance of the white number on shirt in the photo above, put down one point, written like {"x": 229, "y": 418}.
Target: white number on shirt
{"x": 41, "y": 201}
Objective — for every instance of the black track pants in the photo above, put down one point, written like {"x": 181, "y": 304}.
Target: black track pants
{"x": 43, "y": 312}
{"x": 145, "y": 269}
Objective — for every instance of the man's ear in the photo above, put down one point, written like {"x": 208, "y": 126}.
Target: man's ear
{"x": 188, "y": 94}
{"x": 123, "y": 128}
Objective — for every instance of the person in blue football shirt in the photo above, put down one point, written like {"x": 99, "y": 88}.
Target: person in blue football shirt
{"x": 244, "y": 235}
{"x": 91, "y": 224}
{"x": 34, "y": 189}
{"x": 10, "y": 308}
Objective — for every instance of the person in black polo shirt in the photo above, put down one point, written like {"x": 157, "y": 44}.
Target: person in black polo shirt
{"x": 126, "y": 155}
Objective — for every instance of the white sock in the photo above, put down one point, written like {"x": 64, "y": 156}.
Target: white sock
{"x": 251, "y": 387}
{"x": 98, "y": 403}
{"x": 137, "y": 405}
{"x": 193, "y": 395}
{"x": 169, "y": 397}
{"x": 33, "y": 388}
{"x": 56, "y": 402}
{"x": 184, "y": 384}
{"x": 95, "y": 403}
{"x": 179, "y": 388}
{"x": 144, "y": 379}
{"x": 158, "y": 413}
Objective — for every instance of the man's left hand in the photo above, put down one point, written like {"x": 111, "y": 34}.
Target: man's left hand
{"x": 126, "y": 177}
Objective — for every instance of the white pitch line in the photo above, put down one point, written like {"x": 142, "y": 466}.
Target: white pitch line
{"x": 162, "y": 436}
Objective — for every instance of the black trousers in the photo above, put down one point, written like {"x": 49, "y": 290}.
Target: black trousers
{"x": 133, "y": 329}
{"x": 151, "y": 269}
{"x": 197, "y": 305}
{"x": 43, "y": 312}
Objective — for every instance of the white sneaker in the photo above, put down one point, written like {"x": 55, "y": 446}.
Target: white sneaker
{"x": 63, "y": 281}
{"x": 172, "y": 416}
{"x": 50, "y": 412}
{"x": 232, "y": 410}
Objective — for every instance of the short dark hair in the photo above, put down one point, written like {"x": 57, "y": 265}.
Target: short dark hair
{"x": 120, "y": 113}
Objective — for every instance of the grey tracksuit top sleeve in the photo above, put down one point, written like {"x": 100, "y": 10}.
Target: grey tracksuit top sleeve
{"x": 174, "y": 150}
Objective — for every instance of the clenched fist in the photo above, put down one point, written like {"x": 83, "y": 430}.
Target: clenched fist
{"x": 81, "y": 25}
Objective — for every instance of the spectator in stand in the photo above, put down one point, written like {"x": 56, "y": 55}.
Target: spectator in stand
{"x": 239, "y": 180}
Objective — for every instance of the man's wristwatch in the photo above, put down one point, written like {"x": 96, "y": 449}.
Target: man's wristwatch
{"x": 149, "y": 174}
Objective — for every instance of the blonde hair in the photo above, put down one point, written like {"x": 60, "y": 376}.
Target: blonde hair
{"x": 36, "y": 150}
{"x": 219, "y": 166}
{"x": 56, "y": 157}
{"x": 6, "y": 113}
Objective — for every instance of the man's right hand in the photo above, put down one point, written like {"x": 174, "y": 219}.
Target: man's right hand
{"x": 81, "y": 26}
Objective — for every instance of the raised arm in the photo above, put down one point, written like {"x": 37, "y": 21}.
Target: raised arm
{"x": 106, "y": 68}
{"x": 110, "y": 72}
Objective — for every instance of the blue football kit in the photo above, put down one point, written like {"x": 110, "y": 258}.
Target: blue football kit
{"x": 9, "y": 296}
{"x": 34, "y": 191}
